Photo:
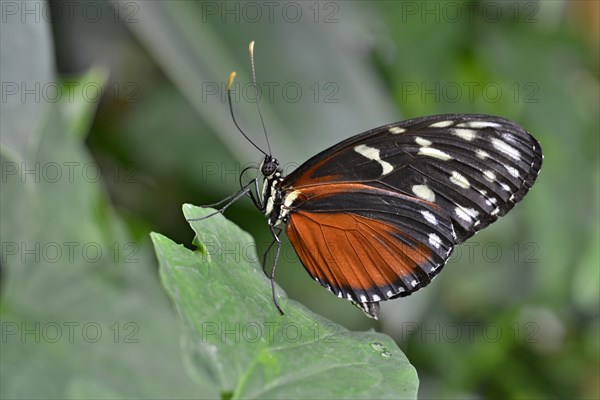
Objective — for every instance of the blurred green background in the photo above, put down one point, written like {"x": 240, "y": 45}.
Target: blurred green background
{"x": 515, "y": 314}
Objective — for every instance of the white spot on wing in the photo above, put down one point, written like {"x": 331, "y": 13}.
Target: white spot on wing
{"x": 508, "y": 137}
{"x": 506, "y": 149}
{"x": 505, "y": 187}
{"x": 373, "y": 154}
{"x": 441, "y": 124}
{"x": 478, "y": 124}
{"x": 466, "y": 134}
{"x": 512, "y": 170}
{"x": 459, "y": 180}
{"x": 396, "y": 130}
{"x": 435, "y": 153}
{"x": 429, "y": 217}
{"x": 422, "y": 142}
{"x": 363, "y": 298}
{"x": 462, "y": 214}
{"x": 466, "y": 214}
{"x": 376, "y": 298}
{"x": 424, "y": 192}
{"x": 482, "y": 154}
{"x": 489, "y": 175}
{"x": 389, "y": 293}
{"x": 413, "y": 283}
{"x": 449, "y": 248}
{"x": 435, "y": 240}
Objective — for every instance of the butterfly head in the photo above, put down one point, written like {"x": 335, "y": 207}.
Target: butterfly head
{"x": 269, "y": 166}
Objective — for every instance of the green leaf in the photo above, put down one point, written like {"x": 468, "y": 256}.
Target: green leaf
{"x": 235, "y": 336}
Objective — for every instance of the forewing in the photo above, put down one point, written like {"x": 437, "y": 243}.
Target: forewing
{"x": 475, "y": 168}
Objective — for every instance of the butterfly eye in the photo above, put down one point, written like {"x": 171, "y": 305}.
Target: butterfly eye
{"x": 269, "y": 167}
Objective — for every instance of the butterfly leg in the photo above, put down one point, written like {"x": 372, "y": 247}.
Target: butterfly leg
{"x": 267, "y": 251}
{"x": 275, "y": 232}
{"x": 232, "y": 199}
{"x": 222, "y": 201}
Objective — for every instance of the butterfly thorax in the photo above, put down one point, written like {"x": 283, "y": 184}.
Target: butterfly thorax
{"x": 272, "y": 193}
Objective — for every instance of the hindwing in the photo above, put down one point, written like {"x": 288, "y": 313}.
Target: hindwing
{"x": 368, "y": 244}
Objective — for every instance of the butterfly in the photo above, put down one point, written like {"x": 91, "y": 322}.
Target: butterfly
{"x": 376, "y": 216}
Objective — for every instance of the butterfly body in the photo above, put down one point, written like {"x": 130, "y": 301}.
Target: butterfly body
{"x": 376, "y": 216}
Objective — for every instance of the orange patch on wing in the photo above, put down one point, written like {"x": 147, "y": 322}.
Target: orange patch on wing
{"x": 306, "y": 179}
{"x": 351, "y": 251}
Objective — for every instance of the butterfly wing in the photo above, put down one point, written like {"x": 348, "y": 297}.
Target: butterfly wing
{"x": 376, "y": 216}
{"x": 367, "y": 244}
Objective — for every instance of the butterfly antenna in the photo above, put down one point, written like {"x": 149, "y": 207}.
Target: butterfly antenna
{"x": 229, "y": 83}
{"x": 262, "y": 121}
